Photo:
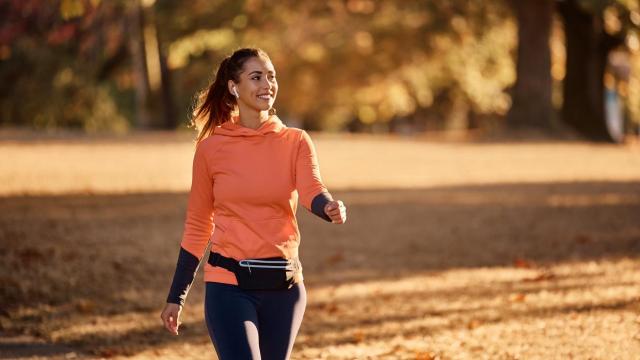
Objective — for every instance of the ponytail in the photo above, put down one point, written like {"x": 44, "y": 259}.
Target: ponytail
{"x": 215, "y": 104}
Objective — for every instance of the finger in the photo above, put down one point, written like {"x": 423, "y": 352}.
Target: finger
{"x": 174, "y": 323}
{"x": 333, "y": 213}
{"x": 170, "y": 324}
{"x": 167, "y": 324}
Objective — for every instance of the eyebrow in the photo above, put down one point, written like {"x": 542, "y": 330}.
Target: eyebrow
{"x": 260, "y": 72}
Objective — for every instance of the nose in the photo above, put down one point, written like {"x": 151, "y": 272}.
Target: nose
{"x": 267, "y": 89}
{"x": 268, "y": 85}
{"x": 271, "y": 81}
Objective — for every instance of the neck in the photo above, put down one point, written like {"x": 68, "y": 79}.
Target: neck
{"x": 252, "y": 119}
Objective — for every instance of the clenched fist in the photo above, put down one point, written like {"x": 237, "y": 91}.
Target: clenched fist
{"x": 336, "y": 210}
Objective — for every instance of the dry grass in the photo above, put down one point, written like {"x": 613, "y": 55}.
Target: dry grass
{"x": 452, "y": 250}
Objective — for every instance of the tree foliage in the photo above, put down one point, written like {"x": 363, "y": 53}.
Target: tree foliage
{"x": 341, "y": 63}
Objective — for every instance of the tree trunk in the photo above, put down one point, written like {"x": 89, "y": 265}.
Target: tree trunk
{"x": 139, "y": 65}
{"x": 168, "y": 106}
{"x": 588, "y": 46}
{"x": 531, "y": 100}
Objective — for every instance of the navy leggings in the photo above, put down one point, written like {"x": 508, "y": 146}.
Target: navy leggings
{"x": 253, "y": 324}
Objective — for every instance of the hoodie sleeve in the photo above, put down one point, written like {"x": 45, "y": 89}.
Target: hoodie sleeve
{"x": 313, "y": 194}
{"x": 198, "y": 226}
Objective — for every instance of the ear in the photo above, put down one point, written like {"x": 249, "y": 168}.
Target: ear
{"x": 232, "y": 88}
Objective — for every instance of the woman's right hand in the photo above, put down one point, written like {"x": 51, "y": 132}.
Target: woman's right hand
{"x": 336, "y": 211}
{"x": 171, "y": 317}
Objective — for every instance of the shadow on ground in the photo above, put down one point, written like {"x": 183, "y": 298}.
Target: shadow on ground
{"x": 79, "y": 257}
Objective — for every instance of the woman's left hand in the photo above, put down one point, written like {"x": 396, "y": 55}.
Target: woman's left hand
{"x": 336, "y": 211}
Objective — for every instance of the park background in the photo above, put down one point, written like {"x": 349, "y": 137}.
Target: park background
{"x": 487, "y": 152}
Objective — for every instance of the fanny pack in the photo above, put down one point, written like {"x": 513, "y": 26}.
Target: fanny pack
{"x": 275, "y": 273}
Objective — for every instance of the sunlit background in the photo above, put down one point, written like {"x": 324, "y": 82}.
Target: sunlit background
{"x": 357, "y": 65}
{"x": 487, "y": 152}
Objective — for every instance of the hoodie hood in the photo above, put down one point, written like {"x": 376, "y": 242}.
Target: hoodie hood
{"x": 233, "y": 128}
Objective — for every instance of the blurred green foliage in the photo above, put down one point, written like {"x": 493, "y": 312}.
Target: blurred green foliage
{"x": 356, "y": 64}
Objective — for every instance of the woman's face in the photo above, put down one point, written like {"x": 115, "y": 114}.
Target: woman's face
{"x": 258, "y": 86}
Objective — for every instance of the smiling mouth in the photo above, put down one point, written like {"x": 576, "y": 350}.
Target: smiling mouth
{"x": 265, "y": 97}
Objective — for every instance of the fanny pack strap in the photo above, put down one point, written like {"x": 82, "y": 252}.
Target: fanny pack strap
{"x": 215, "y": 259}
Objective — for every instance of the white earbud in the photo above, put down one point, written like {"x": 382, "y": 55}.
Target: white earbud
{"x": 235, "y": 92}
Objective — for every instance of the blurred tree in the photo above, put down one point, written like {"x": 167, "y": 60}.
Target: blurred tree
{"x": 56, "y": 60}
{"x": 435, "y": 63}
{"x": 135, "y": 27}
{"x": 589, "y": 42}
{"x": 531, "y": 99}
{"x": 76, "y": 54}
{"x": 168, "y": 104}
{"x": 376, "y": 61}
{"x": 192, "y": 37}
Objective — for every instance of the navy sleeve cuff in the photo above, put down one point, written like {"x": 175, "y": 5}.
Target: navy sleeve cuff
{"x": 183, "y": 277}
{"x": 318, "y": 203}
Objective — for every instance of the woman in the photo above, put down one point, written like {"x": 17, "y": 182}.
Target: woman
{"x": 249, "y": 172}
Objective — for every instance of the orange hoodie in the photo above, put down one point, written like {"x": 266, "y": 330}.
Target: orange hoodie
{"x": 245, "y": 189}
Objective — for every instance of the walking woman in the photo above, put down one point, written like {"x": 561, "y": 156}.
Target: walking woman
{"x": 249, "y": 173}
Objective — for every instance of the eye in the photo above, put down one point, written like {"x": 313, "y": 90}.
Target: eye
{"x": 257, "y": 77}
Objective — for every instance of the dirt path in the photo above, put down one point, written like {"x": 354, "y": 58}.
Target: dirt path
{"x": 27, "y": 347}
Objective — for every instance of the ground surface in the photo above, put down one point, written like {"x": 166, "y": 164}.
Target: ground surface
{"x": 452, "y": 250}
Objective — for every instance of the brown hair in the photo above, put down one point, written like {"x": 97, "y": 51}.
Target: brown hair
{"x": 215, "y": 104}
